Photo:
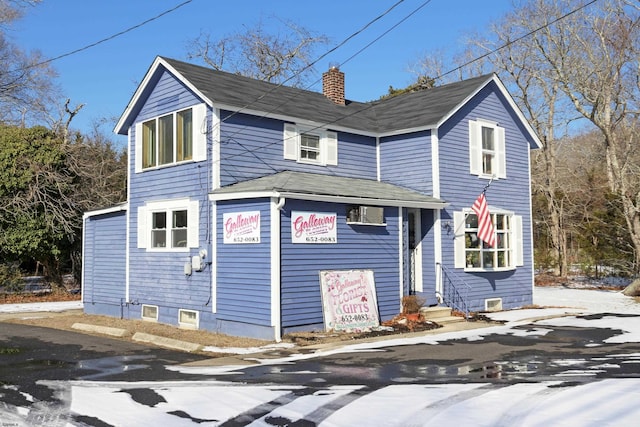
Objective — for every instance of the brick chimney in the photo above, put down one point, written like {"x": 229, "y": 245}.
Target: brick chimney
{"x": 333, "y": 85}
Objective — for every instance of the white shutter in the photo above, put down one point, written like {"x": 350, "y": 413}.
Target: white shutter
{"x": 143, "y": 229}
{"x": 138, "y": 147}
{"x": 501, "y": 162}
{"x": 331, "y": 148}
{"x": 458, "y": 239}
{"x": 200, "y": 132}
{"x": 518, "y": 244}
{"x": 193, "y": 224}
{"x": 475, "y": 148}
{"x": 290, "y": 146}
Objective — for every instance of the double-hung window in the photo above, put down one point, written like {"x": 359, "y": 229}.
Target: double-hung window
{"x": 310, "y": 145}
{"x": 487, "y": 149}
{"x": 171, "y": 138}
{"x": 168, "y": 225}
{"x": 471, "y": 253}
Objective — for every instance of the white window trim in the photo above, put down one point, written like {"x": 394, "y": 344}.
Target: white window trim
{"x": 199, "y": 138}
{"x": 188, "y": 325}
{"x": 145, "y": 221}
{"x": 475, "y": 149}
{"x": 517, "y": 259}
{"x": 328, "y": 144}
{"x": 146, "y": 318}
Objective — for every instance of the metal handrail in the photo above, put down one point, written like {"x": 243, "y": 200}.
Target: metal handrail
{"x": 451, "y": 295}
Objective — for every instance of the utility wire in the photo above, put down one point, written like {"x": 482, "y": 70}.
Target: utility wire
{"x": 509, "y": 43}
{"x": 372, "y": 104}
{"x": 311, "y": 64}
{"x": 89, "y": 46}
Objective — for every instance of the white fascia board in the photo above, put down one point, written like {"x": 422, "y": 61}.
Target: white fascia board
{"x": 366, "y": 201}
{"x": 518, "y": 111}
{"x": 432, "y": 128}
{"x": 242, "y": 196}
{"x": 145, "y": 81}
{"x": 112, "y": 209}
{"x": 507, "y": 95}
{"x": 329, "y": 199}
{"x": 291, "y": 119}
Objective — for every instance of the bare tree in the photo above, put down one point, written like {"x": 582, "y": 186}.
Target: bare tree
{"x": 593, "y": 57}
{"x": 26, "y": 79}
{"x": 285, "y": 56}
{"x": 563, "y": 61}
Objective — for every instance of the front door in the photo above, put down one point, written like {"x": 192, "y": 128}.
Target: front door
{"x": 415, "y": 251}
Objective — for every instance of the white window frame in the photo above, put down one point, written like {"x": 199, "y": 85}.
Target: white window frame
{"x": 198, "y": 138}
{"x": 477, "y": 152}
{"x": 153, "y": 308}
{"x": 145, "y": 223}
{"x": 195, "y": 324}
{"x": 293, "y": 148}
{"x": 512, "y": 238}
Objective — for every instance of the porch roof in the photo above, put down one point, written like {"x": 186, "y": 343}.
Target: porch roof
{"x": 328, "y": 188}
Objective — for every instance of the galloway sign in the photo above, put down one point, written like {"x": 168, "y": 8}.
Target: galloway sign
{"x": 313, "y": 227}
{"x": 349, "y": 301}
{"x": 241, "y": 227}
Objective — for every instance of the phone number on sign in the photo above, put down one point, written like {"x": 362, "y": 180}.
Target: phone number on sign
{"x": 348, "y": 318}
{"x": 246, "y": 240}
{"x": 320, "y": 239}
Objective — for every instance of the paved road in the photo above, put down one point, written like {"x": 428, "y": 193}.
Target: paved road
{"x": 62, "y": 378}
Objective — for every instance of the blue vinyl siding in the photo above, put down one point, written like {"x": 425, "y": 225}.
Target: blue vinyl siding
{"x": 158, "y": 278}
{"x": 405, "y": 160}
{"x": 104, "y": 263}
{"x": 460, "y": 188}
{"x": 251, "y": 147}
{"x": 359, "y": 247}
{"x": 244, "y": 270}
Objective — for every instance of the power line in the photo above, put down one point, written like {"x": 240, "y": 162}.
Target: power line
{"x": 509, "y": 43}
{"x": 311, "y": 64}
{"x": 89, "y": 46}
{"x": 372, "y": 104}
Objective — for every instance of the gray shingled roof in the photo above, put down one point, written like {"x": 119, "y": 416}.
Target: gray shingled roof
{"x": 302, "y": 185}
{"x": 414, "y": 110}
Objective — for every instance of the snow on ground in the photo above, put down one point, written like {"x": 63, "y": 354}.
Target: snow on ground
{"x": 212, "y": 403}
{"x": 40, "y": 307}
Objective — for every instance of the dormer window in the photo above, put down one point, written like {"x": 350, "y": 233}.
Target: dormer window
{"x": 172, "y": 138}
{"x": 310, "y": 145}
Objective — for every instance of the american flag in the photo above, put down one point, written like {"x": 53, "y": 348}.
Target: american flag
{"x": 485, "y": 226}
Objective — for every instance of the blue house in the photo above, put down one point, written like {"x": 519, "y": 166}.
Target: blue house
{"x": 256, "y": 209}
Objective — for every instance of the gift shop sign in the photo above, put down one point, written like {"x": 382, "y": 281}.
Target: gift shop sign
{"x": 349, "y": 301}
{"x": 313, "y": 227}
{"x": 241, "y": 227}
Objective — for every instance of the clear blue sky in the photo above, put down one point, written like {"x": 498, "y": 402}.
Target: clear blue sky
{"x": 104, "y": 77}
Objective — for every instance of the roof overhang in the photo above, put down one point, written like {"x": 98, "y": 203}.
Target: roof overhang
{"x": 158, "y": 65}
{"x": 105, "y": 211}
{"x": 328, "y": 199}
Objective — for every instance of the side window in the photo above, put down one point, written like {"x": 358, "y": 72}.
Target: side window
{"x": 307, "y": 145}
{"x": 171, "y": 139}
{"x": 472, "y": 254}
{"x": 169, "y": 225}
{"x": 487, "y": 149}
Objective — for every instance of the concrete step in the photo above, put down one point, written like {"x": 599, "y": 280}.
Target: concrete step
{"x": 439, "y": 314}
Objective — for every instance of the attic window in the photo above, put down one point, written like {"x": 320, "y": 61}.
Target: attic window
{"x": 487, "y": 149}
